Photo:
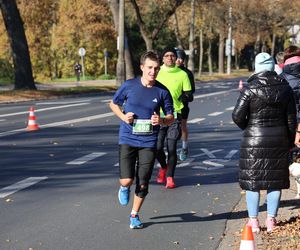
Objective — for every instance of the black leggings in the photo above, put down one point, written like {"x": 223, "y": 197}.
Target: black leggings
{"x": 171, "y": 134}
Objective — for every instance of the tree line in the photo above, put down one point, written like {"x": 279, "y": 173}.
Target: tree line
{"x": 39, "y": 40}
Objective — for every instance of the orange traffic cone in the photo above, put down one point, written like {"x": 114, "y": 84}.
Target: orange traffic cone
{"x": 247, "y": 242}
{"x": 32, "y": 125}
{"x": 241, "y": 85}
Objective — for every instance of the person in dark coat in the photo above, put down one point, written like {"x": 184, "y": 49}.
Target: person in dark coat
{"x": 77, "y": 69}
{"x": 291, "y": 73}
{"x": 266, "y": 112}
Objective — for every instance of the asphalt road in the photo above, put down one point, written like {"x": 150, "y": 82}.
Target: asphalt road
{"x": 58, "y": 185}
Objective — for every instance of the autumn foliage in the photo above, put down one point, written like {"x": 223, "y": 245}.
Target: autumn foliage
{"x": 56, "y": 29}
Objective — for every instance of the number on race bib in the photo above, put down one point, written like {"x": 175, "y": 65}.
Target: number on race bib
{"x": 142, "y": 127}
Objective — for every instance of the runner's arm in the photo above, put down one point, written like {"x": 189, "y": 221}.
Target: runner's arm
{"x": 167, "y": 120}
{"x": 128, "y": 117}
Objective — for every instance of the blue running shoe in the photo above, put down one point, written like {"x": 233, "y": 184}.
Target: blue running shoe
{"x": 183, "y": 154}
{"x": 135, "y": 222}
{"x": 124, "y": 195}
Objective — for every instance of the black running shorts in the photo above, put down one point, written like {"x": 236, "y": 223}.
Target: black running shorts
{"x": 185, "y": 111}
{"x": 136, "y": 162}
{"x": 174, "y": 131}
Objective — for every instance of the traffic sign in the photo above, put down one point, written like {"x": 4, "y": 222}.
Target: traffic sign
{"x": 105, "y": 52}
{"x": 81, "y": 51}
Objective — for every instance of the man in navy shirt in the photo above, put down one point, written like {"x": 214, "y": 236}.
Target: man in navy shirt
{"x": 138, "y": 103}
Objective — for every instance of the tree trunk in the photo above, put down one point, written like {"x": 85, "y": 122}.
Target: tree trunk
{"x": 177, "y": 33}
{"x": 200, "y": 53}
{"x": 264, "y": 47}
{"x": 128, "y": 59}
{"x": 191, "y": 65}
{"x": 18, "y": 43}
{"x": 148, "y": 42}
{"x": 120, "y": 76}
{"x": 209, "y": 60}
{"x": 257, "y": 44}
{"x": 221, "y": 53}
{"x": 114, "y": 8}
{"x": 273, "y": 43}
{"x": 237, "y": 62}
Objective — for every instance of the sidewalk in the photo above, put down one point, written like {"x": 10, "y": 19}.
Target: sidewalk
{"x": 289, "y": 207}
{"x": 58, "y": 85}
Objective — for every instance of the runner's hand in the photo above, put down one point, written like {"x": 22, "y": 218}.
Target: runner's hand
{"x": 155, "y": 119}
{"x": 129, "y": 117}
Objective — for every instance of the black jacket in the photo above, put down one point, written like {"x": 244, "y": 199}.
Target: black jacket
{"x": 291, "y": 73}
{"x": 266, "y": 112}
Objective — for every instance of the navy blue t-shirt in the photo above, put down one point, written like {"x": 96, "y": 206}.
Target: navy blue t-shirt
{"x": 134, "y": 97}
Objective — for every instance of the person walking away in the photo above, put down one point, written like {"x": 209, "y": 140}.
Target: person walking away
{"x": 185, "y": 100}
{"x": 77, "y": 69}
{"x": 177, "y": 82}
{"x": 265, "y": 111}
{"x": 279, "y": 62}
{"x": 291, "y": 72}
{"x": 137, "y": 103}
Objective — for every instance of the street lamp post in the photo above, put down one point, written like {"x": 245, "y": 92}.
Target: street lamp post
{"x": 229, "y": 40}
{"x": 121, "y": 61}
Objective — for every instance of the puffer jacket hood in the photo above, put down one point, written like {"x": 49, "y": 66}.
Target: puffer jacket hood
{"x": 291, "y": 72}
{"x": 292, "y": 69}
{"x": 263, "y": 84}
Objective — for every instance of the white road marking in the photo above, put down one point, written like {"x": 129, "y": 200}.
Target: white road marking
{"x": 196, "y": 120}
{"x": 105, "y": 101}
{"x": 187, "y": 162}
{"x": 207, "y": 168}
{"x": 230, "y": 108}
{"x": 86, "y": 158}
{"x": 222, "y": 87}
{"x": 208, "y": 153}
{"x": 215, "y": 113}
{"x": 44, "y": 109}
{"x": 88, "y": 118}
{"x": 56, "y": 124}
{"x": 212, "y": 94}
{"x": 4, "y": 192}
{"x": 213, "y": 163}
{"x": 58, "y": 103}
{"x": 230, "y": 154}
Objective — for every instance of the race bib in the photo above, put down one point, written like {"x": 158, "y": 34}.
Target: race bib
{"x": 142, "y": 127}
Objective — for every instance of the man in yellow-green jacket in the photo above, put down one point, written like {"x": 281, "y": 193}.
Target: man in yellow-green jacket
{"x": 178, "y": 83}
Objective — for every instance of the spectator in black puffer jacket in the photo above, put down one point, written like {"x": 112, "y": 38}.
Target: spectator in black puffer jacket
{"x": 266, "y": 112}
{"x": 291, "y": 72}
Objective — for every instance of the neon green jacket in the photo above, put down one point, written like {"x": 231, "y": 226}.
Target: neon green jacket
{"x": 176, "y": 81}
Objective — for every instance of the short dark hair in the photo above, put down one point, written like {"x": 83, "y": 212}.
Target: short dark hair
{"x": 291, "y": 51}
{"x": 149, "y": 55}
{"x": 180, "y": 54}
{"x": 168, "y": 49}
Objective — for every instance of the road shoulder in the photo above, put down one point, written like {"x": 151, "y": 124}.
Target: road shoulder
{"x": 235, "y": 224}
